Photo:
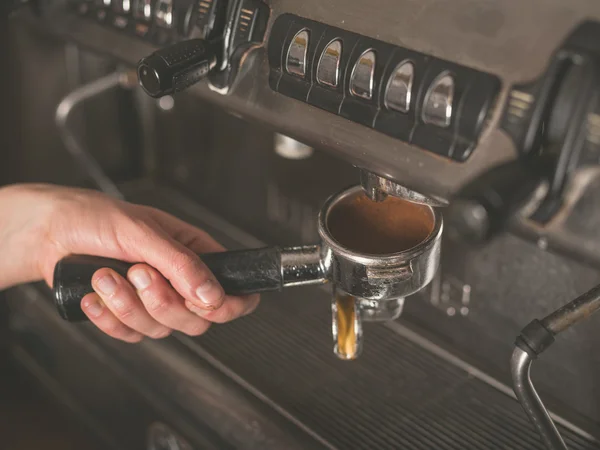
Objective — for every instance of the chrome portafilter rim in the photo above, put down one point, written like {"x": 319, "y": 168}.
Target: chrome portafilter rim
{"x": 373, "y": 259}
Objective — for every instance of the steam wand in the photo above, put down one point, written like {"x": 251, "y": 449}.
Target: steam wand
{"x": 536, "y": 337}
{"x": 74, "y": 146}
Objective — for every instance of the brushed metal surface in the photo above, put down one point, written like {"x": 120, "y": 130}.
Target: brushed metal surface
{"x": 509, "y": 38}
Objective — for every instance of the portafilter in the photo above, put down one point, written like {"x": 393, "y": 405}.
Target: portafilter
{"x": 374, "y": 254}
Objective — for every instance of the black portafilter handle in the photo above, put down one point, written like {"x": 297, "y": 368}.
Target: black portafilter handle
{"x": 240, "y": 272}
{"x": 177, "y": 67}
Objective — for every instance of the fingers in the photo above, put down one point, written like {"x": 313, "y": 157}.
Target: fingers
{"x": 199, "y": 241}
{"x": 155, "y": 309}
{"x": 232, "y": 308}
{"x": 122, "y": 301}
{"x": 106, "y": 321}
{"x": 182, "y": 267}
{"x": 162, "y": 302}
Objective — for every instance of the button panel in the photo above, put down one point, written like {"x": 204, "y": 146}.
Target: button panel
{"x": 431, "y": 103}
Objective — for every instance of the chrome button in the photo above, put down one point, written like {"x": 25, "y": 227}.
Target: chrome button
{"x": 295, "y": 62}
{"x": 164, "y": 13}
{"x": 328, "y": 69}
{"x": 399, "y": 88}
{"x": 437, "y": 107}
{"x": 361, "y": 80}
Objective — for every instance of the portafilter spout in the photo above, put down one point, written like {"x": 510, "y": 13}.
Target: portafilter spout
{"x": 373, "y": 253}
{"x": 377, "y": 188}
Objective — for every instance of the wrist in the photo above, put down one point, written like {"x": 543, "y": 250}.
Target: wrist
{"x": 25, "y": 214}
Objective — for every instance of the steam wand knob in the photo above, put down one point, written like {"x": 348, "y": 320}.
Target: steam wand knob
{"x": 486, "y": 205}
{"x": 177, "y": 67}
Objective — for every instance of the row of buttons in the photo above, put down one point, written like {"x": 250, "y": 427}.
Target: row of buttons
{"x": 159, "y": 21}
{"x": 437, "y": 108}
{"x": 434, "y": 104}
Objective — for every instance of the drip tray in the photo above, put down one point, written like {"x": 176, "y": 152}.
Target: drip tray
{"x": 398, "y": 394}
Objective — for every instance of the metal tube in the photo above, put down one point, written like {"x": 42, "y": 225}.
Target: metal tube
{"x": 573, "y": 312}
{"x": 520, "y": 366}
{"x": 302, "y": 266}
{"x": 72, "y": 144}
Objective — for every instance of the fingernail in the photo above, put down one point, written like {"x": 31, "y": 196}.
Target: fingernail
{"x": 93, "y": 307}
{"x": 140, "y": 279}
{"x": 210, "y": 294}
{"x": 107, "y": 285}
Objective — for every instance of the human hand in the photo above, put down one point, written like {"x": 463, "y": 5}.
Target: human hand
{"x": 170, "y": 289}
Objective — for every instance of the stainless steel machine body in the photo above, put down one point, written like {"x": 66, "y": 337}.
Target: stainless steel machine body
{"x": 436, "y": 378}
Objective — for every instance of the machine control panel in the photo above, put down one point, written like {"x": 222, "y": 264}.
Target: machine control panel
{"x": 160, "y": 22}
{"x": 434, "y": 104}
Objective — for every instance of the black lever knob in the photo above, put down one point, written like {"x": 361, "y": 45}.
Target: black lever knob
{"x": 484, "y": 207}
{"x": 177, "y": 67}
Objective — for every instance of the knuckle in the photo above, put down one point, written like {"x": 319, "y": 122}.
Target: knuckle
{"x": 212, "y": 316}
{"x": 160, "y": 333}
{"x": 126, "y": 311}
{"x": 132, "y": 338}
{"x": 225, "y": 313}
{"x": 158, "y": 303}
{"x": 114, "y": 329}
{"x": 182, "y": 262}
{"x": 197, "y": 328}
{"x": 139, "y": 230}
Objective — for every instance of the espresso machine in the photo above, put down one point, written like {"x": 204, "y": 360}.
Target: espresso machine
{"x": 413, "y": 185}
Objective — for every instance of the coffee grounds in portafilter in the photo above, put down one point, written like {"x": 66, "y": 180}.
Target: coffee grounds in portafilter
{"x": 376, "y": 228}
